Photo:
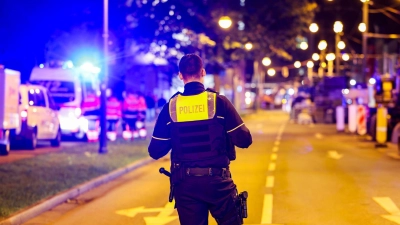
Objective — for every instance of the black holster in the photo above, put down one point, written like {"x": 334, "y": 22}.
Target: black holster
{"x": 241, "y": 205}
{"x": 177, "y": 176}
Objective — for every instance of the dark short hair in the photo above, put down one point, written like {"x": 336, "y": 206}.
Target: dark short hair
{"x": 190, "y": 65}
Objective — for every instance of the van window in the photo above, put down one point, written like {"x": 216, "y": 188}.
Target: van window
{"x": 36, "y": 98}
{"x": 61, "y": 91}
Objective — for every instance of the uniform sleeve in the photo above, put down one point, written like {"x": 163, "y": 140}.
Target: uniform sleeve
{"x": 160, "y": 143}
{"x": 235, "y": 126}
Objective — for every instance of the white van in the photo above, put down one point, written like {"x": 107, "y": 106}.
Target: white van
{"x": 39, "y": 118}
{"x": 69, "y": 88}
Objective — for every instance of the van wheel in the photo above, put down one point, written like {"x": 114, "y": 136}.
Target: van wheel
{"x": 5, "y": 149}
{"x": 32, "y": 142}
{"x": 56, "y": 142}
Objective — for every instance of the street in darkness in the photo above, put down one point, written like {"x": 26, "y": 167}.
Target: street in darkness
{"x": 295, "y": 174}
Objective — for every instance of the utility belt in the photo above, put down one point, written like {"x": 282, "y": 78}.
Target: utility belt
{"x": 199, "y": 172}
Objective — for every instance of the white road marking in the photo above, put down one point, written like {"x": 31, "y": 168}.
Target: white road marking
{"x": 275, "y": 149}
{"x": 390, "y": 207}
{"x": 274, "y": 156}
{"x": 334, "y": 155}
{"x": 270, "y": 182}
{"x": 272, "y": 167}
{"x": 162, "y": 218}
{"x": 266, "y": 217}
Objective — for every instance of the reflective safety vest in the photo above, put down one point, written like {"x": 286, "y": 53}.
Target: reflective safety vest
{"x": 142, "y": 104}
{"x": 131, "y": 103}
{"x": 113, "y": 109}
{"x": 90, "y": 103}
{"x": 196, "y": 133}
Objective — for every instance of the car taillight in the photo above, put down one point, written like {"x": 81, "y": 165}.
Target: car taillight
{"x": 78, "y": 112}
{"x": 24, "y": 115}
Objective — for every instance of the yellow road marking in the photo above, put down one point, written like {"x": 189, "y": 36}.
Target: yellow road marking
{"x": 274, "y": 156}
{"x": 270, "y": 182}
{"x": 272, "y": 167}
{"x": 277, "y": 142}
{"x": 266, "y": 217}
{"x": 275, "y": 149}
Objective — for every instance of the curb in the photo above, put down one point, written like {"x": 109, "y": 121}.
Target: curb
{"x": 52, "y": 202}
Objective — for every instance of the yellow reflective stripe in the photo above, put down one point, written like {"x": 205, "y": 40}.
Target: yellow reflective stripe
{"x": 172, "y": 108}
{"x": 235, "y": 128}
{"x": 161, "y": 139}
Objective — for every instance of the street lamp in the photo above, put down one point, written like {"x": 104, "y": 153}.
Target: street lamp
{"x": 362, "y": 27}
{"x": 225, "y": 22}
{"x": 345, "y": 57}
{"x": 303, "y": 45}
{"x": 103, "y": 86}
{"x": 341, "y": 45}
{"x": 271, "y": 72}
{"x": 330, "y": 57}
{"x": 297, "y": 64}
{"x": 338, "y": 28}
{"x": 266, "y": 61}
{"x": 248, "y": 46}
{"x": 314, "y": 27}
{"x": 364, "y": 37}
{"x": 310, "y": 64}
{"x": 322, "y": 45}
{"x": 315, "y": 56}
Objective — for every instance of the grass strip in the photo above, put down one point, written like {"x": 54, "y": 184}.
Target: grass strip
{"x": 28, "y": 181}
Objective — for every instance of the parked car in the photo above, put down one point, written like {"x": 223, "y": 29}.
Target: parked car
{"x": 39, "y": 118}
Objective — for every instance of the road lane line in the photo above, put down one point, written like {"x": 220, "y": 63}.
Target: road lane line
{"x": 266, "y": 217}
{"x": 275, "y": 149}
{"x": 271, "y": 166}
{"x": 270, "y": 182}
{"x": 274, "y": 156}
{"x": 388, "y": 205}
{"x": 277, "y": 143}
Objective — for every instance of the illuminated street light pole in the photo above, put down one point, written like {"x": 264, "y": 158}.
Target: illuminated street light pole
{"x": 314, "y": 29}
{"x": 338, "y": 28}
{"x": 103, "y": 86}
{"x": 322, "y": 47}
{"x": 365, "y": 39}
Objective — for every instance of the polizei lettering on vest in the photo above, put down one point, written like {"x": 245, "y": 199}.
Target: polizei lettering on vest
{"x": 191, "y": 109}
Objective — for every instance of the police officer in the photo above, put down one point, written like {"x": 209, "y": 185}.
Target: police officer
{"x": 198, "y": 125}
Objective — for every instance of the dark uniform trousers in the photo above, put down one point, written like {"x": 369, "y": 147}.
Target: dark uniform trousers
{"x": 195, "y": 195}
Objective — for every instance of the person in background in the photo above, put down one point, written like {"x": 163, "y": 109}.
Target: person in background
{"x": 160, "y": 104}
{"x": 141, "y": 120}
{"x": 151, "y": 105}
{"x": 130, "y": 115}
{"x": 114, "y": 111}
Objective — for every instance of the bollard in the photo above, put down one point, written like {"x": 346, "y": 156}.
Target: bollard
{"x": 381, "y": 127}
{"x": 361, "y": 120}
{"x": 340, "y": 118}
{"x": 352, "y": 118}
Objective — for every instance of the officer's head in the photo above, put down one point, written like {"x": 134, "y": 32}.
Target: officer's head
{"x": 191, "y": 68}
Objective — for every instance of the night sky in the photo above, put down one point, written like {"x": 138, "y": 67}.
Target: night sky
{"x": 26, "y": 25}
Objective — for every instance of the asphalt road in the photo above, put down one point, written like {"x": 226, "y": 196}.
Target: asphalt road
{"x": 295, "y": 174}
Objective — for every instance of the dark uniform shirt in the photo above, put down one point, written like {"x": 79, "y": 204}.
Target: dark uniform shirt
{"x": 161, "y": 144}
